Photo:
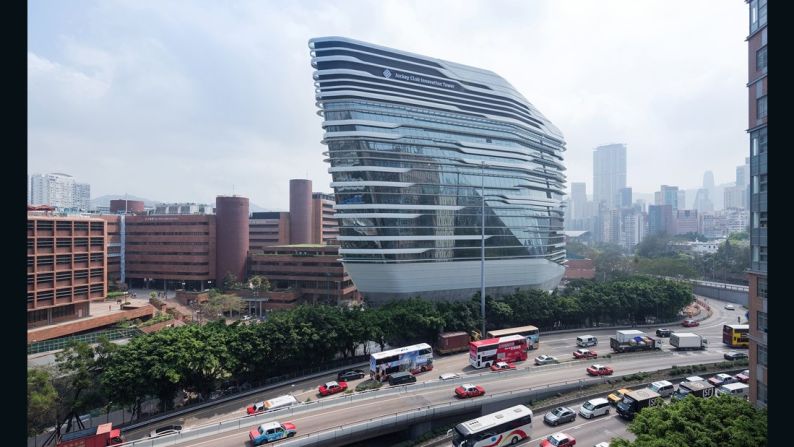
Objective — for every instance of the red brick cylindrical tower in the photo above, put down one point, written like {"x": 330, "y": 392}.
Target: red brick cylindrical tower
{"x": 131, "y": 206}
{"x": 300, "y": 211}
{"x": 231, "y": 229}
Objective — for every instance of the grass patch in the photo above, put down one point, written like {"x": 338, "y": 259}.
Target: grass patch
{"x": 369, "y": 384}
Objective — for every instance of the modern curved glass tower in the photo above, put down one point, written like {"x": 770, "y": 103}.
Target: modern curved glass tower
{"x": 411, "y": 141}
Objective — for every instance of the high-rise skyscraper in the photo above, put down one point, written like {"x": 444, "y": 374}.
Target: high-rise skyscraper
{"x": 417, "y": 147}
{"x": 625, "y": 198}
{"x": 668, "y": 195}
{"x": 59, "y": 190}
{"x": 660, "y": 220}
{"x": 702, "y": 202}
{"x": 579, "y": 200}
{"x": 609, "y": 174}
{"x": 756, "y": 127}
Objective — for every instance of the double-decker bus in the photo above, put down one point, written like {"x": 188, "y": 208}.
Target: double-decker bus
{"x": 736, "y": 335}
{"x": 505, "y": 427}
{"x": 531, "y": 333}
{"x": 484, "y": 353}
{"x": 415, "y": 358}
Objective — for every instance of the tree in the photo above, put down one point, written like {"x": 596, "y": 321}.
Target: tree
{"x": 42, "y": 400}
{"x": 723, "y": 421}
{"x": 654, "y": 246}
{"x": 259, "y": 284}
{"x": 79, "y": 370}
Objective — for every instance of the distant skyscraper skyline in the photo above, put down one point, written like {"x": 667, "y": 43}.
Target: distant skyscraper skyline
{"x": 609, "y": 173}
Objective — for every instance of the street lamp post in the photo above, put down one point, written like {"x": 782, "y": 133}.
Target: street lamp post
{"x": 482, "y": 248}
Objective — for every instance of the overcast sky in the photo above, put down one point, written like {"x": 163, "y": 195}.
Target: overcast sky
{"x": 186, "y": 100}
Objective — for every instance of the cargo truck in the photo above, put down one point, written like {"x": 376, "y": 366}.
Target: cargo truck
{"x": 449, "y": 342}
{"x": 687, "y": 340}
{"x": 636, "y": 400}
{"x": 632, "y": 340}
{"x": 700, "y": 388}
{"x": 100, "y": 436}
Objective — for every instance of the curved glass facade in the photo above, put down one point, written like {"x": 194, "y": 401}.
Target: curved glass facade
{"x": 412, "y": 143}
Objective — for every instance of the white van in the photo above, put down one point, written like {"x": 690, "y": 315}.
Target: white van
{"x": 586, "y": 340}
{"x": 594, "y": 407}
{"x": 735, "y": 389}
{"x": 663, "y": 387}
{"x": 280, "y": 402}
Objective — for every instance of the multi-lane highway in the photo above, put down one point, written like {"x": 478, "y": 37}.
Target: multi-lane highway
{"x": 437, "y": 392}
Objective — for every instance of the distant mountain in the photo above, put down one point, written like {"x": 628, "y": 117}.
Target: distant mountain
{"x": 254, "y": 208}
{"x": 104, "y": 201}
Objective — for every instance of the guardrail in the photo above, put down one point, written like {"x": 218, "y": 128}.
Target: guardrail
{"x": 442, "y": 440}
{"x": 287, "y": 380}
{"x": 210, "y": 403}
{"x": 289, "y": 412}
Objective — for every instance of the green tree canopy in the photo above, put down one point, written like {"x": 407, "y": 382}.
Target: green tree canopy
{"x": 723, "y": 421}
{"x": 42, "y": 400}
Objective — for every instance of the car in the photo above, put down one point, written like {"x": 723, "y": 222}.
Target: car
{"x": 663, "y": 332}
{"x": 271, "y": 431}
{"x": 690, "y": 323}
{"x": 730, "y": 307}
{"x": 165, "y": 430}
{"x": 694, "y": 379}
{"x": 558, "y": 439}
{"x": 332, "y": 388}
{"x": 615, "y": 397}
{"x": 257, "y": 407}
{"x": 594, "y": 407}
{"x": 559, "y": 416}
{"x": 469, "y": 390}
{"x": 545, "y": 359}
{"x": 448, "y": 376}
{"x": 353, "y": 374}
{"x": 743, "y": 377}
{"x": 721, "y": 379}
{"x": 599, "y": 370}
{"x": 602, "y": 444}
{"x": 583, "y": 353}
{"x": 735, "y": 355}
{"x": 502, "y": 366}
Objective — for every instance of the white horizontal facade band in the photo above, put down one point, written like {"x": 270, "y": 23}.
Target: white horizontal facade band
{"x": 372, "y": 183}
{"x": 466, "y": 150}
{"x": 412, "y": 238}
{"x": 417, "y": 102}
{"x": 495, "y": 164}
{"x": 368, "y": 169}
{"x": 382, "y": 251}
{"x": 377, "y": 215}
{"x": 361, "y": 122}
{"x": 390, "y": 206}
{"x": 499, "y": 148}
{"x": 361, "y": 133}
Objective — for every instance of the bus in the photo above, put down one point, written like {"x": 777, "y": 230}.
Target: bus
{"x": 415, "y": 359}
{"x": 736, "y": 335}
{"x": 504, "y": 427}
{"x": 484, "y": 353}
{"x": 530, "y": 332}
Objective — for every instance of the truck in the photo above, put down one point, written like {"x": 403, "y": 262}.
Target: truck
{"x": 687, "y": 340}
{"x": 632, "y": 340}
{"x": 102, "y": 435}
{"x": 701, "y": 388}
{"x": 636, "y": 400}
{"x": 449, "y": 342}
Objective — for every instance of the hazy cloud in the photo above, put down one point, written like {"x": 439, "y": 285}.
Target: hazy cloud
{"x": 185, "y": 100}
